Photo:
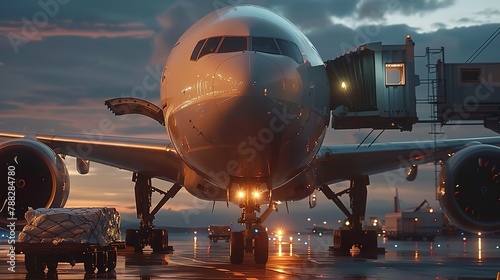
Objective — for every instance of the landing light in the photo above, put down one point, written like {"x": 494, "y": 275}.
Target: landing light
{"x": 343, "y": 85}
{"x": 241, "y": 194}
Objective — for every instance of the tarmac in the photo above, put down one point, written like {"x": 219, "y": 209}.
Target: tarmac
{"x": 307, "y": 257}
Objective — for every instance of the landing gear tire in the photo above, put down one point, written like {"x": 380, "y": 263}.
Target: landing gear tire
{"x": 159, "y": 240}
{"x": 236, "y": 248}
{"x": 261, "y": 248}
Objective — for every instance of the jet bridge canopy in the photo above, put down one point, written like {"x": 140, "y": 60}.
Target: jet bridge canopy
{"x": 374, "y": 87}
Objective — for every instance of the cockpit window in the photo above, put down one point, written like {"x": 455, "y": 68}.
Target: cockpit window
{"x": 297, "y": 53}
{"x": 287, "y": 50}
{"x": 197, "y": 48}
{"x": 210, "y": 46}
{"x": 233, "y": 44}
{"x": 240, "y": 43}
{"x": 266, "y": 45}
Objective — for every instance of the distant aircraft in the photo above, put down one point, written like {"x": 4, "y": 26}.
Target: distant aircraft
{"x": 245, "y": 101}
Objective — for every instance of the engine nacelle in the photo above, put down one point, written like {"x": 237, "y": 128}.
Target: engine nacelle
{"x": 32, "y": 175}
{"x": 469, "y": 189}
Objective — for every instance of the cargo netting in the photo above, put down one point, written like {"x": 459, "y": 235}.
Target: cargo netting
{"x": 72, "y": 225}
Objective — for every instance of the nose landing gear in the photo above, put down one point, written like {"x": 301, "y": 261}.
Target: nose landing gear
{"x": 254, "y": 238}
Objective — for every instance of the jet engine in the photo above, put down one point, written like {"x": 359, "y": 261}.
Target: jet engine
{"x": 469, "y": 188}
{"x": 31, "y": 175}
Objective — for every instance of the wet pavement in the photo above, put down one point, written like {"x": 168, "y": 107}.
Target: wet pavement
{"x": 195, "y": 257}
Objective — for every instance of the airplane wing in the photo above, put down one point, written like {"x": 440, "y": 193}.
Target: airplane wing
{"x": 152, "y": 157}
{"x": 342, "y": 162}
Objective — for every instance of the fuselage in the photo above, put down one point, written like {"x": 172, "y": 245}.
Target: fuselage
{"x": 245, "y": 97}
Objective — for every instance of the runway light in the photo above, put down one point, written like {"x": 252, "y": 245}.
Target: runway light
{"x": 195, "y": 232}
{"x": 464, "y": 239}
{"x": 324, "y": 222}
{"x": 416, "y": 219}
{"x": 347, "y": 223}
{"x": 395, "y": 245}
{"x": 308, "y": 219}
{"x": 479, "y": 233}
{"x": 498, "y": 247}
{"x": 256, "y": 194}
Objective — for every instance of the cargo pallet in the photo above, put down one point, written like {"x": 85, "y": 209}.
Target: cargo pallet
{"x": 38, "y": 256}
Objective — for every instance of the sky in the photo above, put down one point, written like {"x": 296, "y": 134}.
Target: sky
{"x": 60, "y": 59}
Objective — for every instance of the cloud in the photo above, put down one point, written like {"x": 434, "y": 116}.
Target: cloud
{"x": 377, "y": 9}
{"x": 25, "y": 32}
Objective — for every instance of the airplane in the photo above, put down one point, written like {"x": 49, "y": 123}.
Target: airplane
{"x": 245, "y": 102}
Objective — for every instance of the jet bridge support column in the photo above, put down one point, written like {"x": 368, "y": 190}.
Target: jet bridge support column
{"x": 355, "y": 236}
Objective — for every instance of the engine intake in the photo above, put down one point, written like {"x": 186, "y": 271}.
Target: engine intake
{"x": 469, "y": 189}
{"x": 33, "y": 175}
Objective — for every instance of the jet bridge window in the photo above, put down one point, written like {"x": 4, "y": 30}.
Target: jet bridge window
{"x": 210, "y": 46}
{"x": 233, "y": 44}
{"x": 266, "y": 45}
{"x": 470, "y": 75}
{"x": 395, "y": 74}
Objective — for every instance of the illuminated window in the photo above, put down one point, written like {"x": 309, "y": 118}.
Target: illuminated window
{"x": 395, "y": 74}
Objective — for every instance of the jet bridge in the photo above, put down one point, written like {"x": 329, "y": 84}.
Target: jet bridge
{"x": 469, "y": 91}
{"x": 374, "y": 87}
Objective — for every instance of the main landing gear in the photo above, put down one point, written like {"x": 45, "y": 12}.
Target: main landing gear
{"x": 254, "y": 238}
{"x": 355, "y": 236}
{"x": 146, "y": 234}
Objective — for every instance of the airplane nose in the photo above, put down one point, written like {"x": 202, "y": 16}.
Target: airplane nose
{"x": 248, "y": 75}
